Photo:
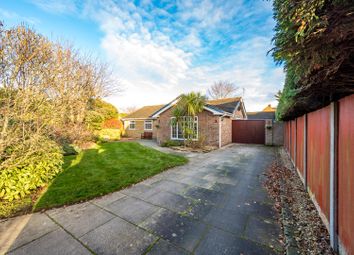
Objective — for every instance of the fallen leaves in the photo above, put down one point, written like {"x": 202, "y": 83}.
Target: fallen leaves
{"x": 286, "y": 188}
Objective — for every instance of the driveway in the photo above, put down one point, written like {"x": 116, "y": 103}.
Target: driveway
{"x": 213, "y": 205}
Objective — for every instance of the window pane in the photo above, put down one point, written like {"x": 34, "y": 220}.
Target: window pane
{"x": 148, "y": 125}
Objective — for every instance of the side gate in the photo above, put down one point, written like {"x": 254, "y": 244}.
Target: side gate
{"x": 248, "y": 131}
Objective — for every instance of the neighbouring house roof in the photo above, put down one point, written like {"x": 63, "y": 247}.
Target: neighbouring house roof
{"x": 225, "y": 106}
{"x": 269, "y": 108}
{"x": 261, "y": 115}
{"x": 144, "y": 112}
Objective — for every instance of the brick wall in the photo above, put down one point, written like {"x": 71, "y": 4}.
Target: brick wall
{"x": 208, "y": 127}
{"x": 139, "y": 129}
{"x": 238, "y": 114}
{"x": 226, "y": 131}
{"x": 274, "y": 134}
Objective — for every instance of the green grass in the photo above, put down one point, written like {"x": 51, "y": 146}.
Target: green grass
{"x": 104, "y": 169}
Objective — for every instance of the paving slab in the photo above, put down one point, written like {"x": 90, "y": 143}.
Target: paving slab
{"x": 171, "y": 186}
{"x": 222, "y": 243}
{"x": 132, "y": 209}
{"x": 141, "y": 190}
{"x": 108, "y": 199}
{"x": 260, "y": 210}
{"x": 205, "y": 195}
{"x": 57, "y": 242}
{"x": 263, "y": 231}
{"x": 170, "y": 201}
{"x": 18, "y": 231}
{"x": 118, "y": 237}
{"x": 179, "y": 230}
{"x": 163, "y": 247}
{"x": 227, "y": 220}
{"x": 80, "y": 218}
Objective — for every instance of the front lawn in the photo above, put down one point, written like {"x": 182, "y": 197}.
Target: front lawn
{"x": 104, "y": 169}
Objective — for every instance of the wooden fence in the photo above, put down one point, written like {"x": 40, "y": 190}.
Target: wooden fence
{"x": 321, "y": 147}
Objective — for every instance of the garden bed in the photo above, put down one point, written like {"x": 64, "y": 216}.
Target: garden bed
{"x": 304, "y": 232}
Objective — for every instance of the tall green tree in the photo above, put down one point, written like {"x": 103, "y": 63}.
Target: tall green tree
{"x": 315, "y": 42}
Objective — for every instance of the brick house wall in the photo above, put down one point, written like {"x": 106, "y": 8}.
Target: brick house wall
{"x": 139, "y": 129}
{"x": 226, "y": 131}
{"x": 208, "y": 127}
{"x": 238, "y": 114}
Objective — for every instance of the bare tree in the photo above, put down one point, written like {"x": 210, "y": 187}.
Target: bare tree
{"x": 45, "y": 90}
{"x": 130, "y": 109}
{"x": 222, "y": 89}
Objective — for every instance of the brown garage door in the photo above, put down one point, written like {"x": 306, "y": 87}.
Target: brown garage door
{"x": 248, "y": 131}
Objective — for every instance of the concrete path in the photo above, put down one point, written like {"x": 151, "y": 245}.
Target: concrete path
{"x": 213, "y": 205}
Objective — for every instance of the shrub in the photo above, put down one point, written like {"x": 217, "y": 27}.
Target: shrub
{"x": 26, "y": 174}
{"x": 171, "y": 143}
{"x": 112, "y": 123}
{"x": 70, "y": 149}
{"x": 109, "y": 134}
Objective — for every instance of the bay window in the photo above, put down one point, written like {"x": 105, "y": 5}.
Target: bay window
{"x": 185, "y": 128}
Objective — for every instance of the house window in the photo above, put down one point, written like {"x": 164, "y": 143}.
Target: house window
{"x": 148, "y": 125}
{"x": 132, "y": 125}
{"x": 186, "y": 127}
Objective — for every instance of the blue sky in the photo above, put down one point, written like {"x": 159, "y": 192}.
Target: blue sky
{"x": 159, "y": 49}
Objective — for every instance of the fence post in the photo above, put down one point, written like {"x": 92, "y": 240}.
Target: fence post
{"x": 295, "y": 143}
{"x": 305, "y": 151}
{"x": 333, "y": 176}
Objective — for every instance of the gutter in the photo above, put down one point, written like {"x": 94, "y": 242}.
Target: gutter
{"x": 220, "y": 119}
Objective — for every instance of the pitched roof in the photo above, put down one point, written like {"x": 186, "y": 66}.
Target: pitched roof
{"x": 269, "y": 108}
{"x": 225, "y": 104}
{"x": 261, "y": 115}
{"x": 144, "y": 112}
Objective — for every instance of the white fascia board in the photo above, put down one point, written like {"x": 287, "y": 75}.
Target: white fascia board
{"x": 244, "y": 108}
{"x": 213, "y": 111}
{"x": 165, "y": 108}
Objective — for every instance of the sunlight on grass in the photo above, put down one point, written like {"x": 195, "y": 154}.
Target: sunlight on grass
{"x": 104, "y": 169}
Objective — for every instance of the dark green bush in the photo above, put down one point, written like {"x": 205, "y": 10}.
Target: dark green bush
{"x": 171, "y": 143}
{"x": 70, "y": 149}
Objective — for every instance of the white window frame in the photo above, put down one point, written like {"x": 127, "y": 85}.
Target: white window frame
{"x": 196, "y": 122}
{"x": 130, "y": 123}
{"x": 146, "y": 122}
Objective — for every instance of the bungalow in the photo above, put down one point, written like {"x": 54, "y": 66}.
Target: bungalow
{"x": 213, "y": 124}
{"x": 140, "y": 122}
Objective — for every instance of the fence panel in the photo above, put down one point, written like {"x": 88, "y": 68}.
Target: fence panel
{"x": 287, "y": 136}
{"x": 300, "y": 144}
{"x": 346, "y": 173}
{"x": 292, "y": 139}
{"x": 318, "y": 158}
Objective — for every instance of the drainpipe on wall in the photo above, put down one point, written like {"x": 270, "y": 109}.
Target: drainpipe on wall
{"x": 220, "y": 119}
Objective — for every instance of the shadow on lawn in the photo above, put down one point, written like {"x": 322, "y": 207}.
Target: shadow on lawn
{"x": 102, "y": 170}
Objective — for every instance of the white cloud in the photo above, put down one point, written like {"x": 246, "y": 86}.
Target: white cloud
{"x": 14, "y": 16}
{"x": 55, "y": 6}
{"x": 156, "y": 59}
